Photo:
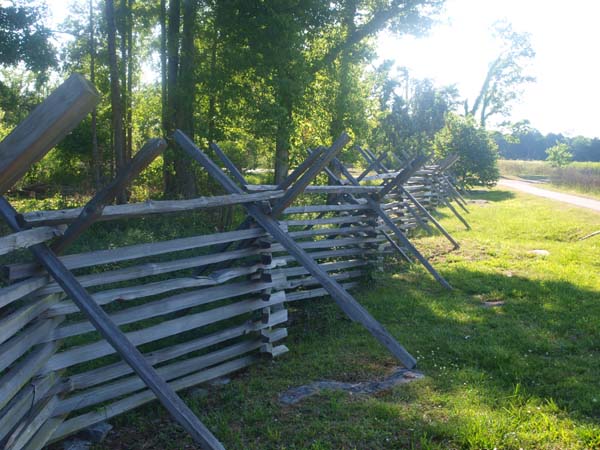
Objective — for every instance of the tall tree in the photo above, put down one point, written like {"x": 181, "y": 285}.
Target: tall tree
{"x": 506, "y": 75}
{"x": 115, "y": 95}
{"x": 96, "y": 156}
{"x": 181, "y": 85}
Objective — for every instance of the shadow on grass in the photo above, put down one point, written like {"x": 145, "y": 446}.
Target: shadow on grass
{"x": 495, "y": 195}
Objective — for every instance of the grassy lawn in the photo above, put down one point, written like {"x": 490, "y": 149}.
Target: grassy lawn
{"x": 581, "y": 178}
{"x": 522, "y": 375}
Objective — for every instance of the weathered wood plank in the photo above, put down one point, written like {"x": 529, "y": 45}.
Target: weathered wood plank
{"x": 26, "y": 430}
{"x": 16, "y": 347}
{"x": 169, "y": 305}
{"x": 95, "y": 258}
{"x": 21, "y": 403}
{"x": 19, "y": 290}
{"x": 22, "y": 373}
{"x": 77, "y": 423}
{"x": 149, "y": 207}
{"x": 319, "y": 189}
{"x": 76, "y": 355}
{"x": 168, "y": 372}
{"x": 151, "y": 269}
{"x": 161, "y": 287}
{"x": 45, "y": 127}
{"x": 14, "y": 322}
{"x": 103, "y": 374}
{"x": 27, "y": 238}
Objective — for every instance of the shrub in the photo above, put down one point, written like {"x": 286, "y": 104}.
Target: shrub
{"x": 478, "y": 163}
{"x": 559, "y": 155}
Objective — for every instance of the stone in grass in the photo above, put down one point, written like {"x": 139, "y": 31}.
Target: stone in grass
{"x": 399, "y": 376}
{"x": 539, "y": 252}
{"x": 493, "y": 304}
{"x": 76, "y": 444}
{"x": 96, "y": 432}
{"x": 198, "y": 393}
{"x": 221, "y": 381}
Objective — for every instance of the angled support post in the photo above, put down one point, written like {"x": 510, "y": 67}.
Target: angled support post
{"x": 304, "y": 173}
{"x": 45, "y": 127}
{"x": 418, "y": 205}
{"x": 350, "y": 199}
{"x": 372, "y": 165}
{"x": 380, "y": 168}
{"x": 93, "y": 209}
{"x": 401, "y": 178}
{"x": 115, "y": 337}
{"x": 346, "y": 302}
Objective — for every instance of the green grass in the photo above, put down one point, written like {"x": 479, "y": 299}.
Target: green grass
{"x": 523, "y": 375}
{"x": 577, "y": 177}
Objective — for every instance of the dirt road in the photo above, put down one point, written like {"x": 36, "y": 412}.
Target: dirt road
{"x": 531, "y": 188}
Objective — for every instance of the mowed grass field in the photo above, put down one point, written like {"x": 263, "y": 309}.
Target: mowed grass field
{"x": 577, "y": 177}
{"x": 525, "y": 374}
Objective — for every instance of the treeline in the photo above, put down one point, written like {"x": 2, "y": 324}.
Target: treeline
{"x": 265, "y": 79}
{"x": 525, "y": 142}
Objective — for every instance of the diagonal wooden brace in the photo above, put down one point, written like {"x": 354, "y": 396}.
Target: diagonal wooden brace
{"x": 93, "y": 209}
{"x": 380, "y": 168}
{"x": 404, "y": 175}
{"x": 346, "y": 302}
{"x": 115, "y": 337}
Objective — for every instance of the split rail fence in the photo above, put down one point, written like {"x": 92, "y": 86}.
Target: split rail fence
{"x": 87, "y": 336}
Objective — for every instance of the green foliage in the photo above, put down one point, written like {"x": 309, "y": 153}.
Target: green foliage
{"x": 559, "y": 155}
{"x": 23, "y": 37}
{"x": 506, "y": 74}
{"x": 478, "y": 152}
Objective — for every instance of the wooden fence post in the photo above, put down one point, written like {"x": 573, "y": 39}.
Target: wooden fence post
{"x": 47, "y": 124}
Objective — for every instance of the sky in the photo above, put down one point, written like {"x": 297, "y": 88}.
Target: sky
{"x": 565, "y": 35}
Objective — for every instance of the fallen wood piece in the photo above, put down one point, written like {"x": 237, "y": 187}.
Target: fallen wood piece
{"x": 595, "y": 233}
{"x": 176, "y": 407}
{"x": 399, "y": 376}
{"x": 348, "y": 304}
{"x": 45, "y": 127}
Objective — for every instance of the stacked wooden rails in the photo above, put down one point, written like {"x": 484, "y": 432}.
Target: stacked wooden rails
{"x": 195, "y": 309}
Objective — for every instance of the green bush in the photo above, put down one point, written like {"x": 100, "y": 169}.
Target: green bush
{"x": 478, "y": 163}
{"x": 559, "y": 155}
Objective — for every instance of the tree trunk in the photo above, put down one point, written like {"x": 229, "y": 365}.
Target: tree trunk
{"x": 96, "y": 156}
{"x": 282, "y": 142}
{"x": 172, "y": 68}
{"x": 186, "y": 96}
{"x": 115, "y": 95}
{"x": 163, "y": 65}
{"x": 129, "y": 146}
